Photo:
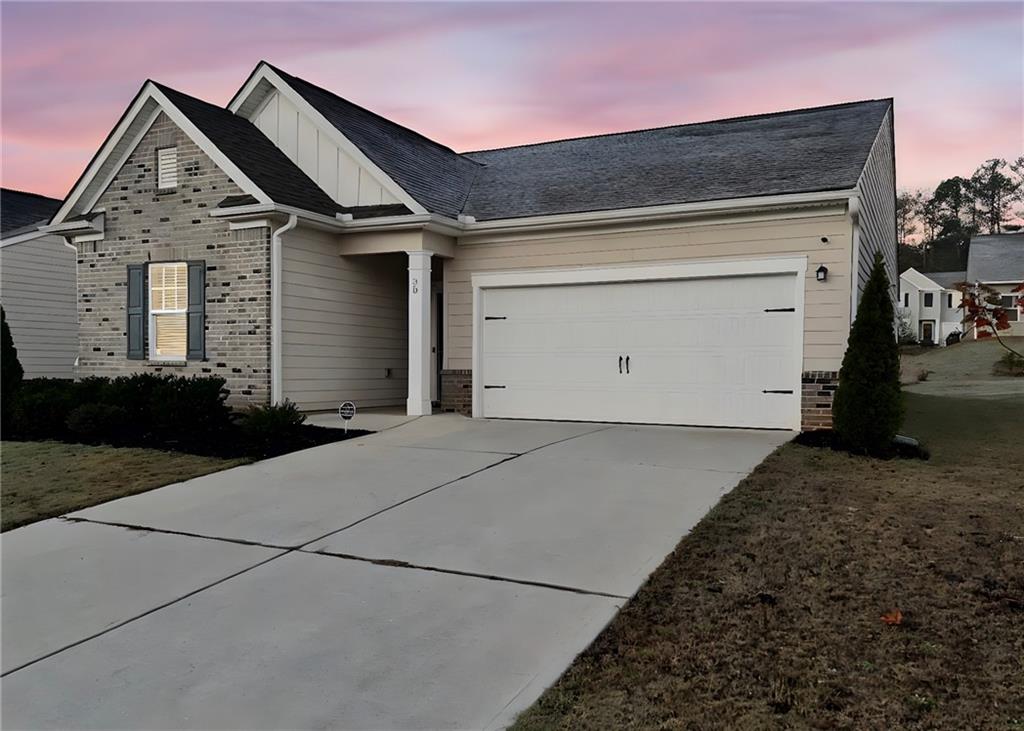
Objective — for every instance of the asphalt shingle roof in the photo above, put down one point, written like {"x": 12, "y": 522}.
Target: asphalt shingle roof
{"x": 19, "y": 209}
{"x": 946, "y": 279}
{"x": 818, "y": 149}
{"x": 996, "y": 258}
{"x": 434, "y": 175}
{"x": 254, "y": 154}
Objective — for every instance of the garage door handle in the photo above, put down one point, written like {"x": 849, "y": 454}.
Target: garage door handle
{"x": 768, "y": 390}
{"x": 627, "y": 365}
{"x": 780, "y": 309}
{"x": 620, "y": 364}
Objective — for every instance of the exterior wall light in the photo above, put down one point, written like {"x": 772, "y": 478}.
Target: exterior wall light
{"x": 822, "y": 273}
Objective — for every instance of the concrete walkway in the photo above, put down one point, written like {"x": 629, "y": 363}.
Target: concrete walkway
{"x": 439, "y": 574}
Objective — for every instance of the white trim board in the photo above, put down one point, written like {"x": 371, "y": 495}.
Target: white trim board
{"x": 264, "y": 72}
{"x": 702, "y": 269}
{"x": 123, "y": 140}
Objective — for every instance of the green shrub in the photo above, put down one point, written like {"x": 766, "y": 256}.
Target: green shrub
{"x": 867, "y": 409}
{"x": 1010, "y": 364}
{"x": 96, "y": 423}
{"x": 41, "y": 408}
{"x": 271, "y": 430}
{"x": 11, "y": 373}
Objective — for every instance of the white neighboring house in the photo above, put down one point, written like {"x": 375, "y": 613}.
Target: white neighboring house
{"x": 997, "y": 260}
{"x": 930, "y": 304}
{"x": 37, "y": 286}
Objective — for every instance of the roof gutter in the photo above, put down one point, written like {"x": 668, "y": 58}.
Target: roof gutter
{"x": 467, "y": 225}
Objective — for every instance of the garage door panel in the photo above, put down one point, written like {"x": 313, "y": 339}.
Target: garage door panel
{"x": 701, "y": 351}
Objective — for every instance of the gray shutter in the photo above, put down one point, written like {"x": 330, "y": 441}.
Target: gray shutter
{"x": 136, "y": 325}
{"x": 196, "y": 310}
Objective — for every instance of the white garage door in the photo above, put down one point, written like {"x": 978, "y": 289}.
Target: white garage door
{"x": 718, "y": 352}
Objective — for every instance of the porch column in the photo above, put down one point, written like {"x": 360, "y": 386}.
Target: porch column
{"x": 418, "y": 403}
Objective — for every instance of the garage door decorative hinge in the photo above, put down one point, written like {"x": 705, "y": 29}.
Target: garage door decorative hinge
{"x": 780, "y": 309}
{"x": 491, "y": 317}
{"x": 770, "y": 390}
{"x": 494, "y": 387}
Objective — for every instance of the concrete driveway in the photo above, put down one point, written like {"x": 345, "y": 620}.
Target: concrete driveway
{"x": 437, "y": 575}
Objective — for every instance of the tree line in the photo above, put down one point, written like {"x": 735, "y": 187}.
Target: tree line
{"x": 934, "y": 230}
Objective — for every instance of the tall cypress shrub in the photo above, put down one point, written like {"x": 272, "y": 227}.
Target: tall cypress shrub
{"x": 11, "y": 373}
{"x": 867, "y": 409}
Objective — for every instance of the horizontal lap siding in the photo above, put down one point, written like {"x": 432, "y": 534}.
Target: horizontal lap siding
{"x": 38, "y": 296}
{"x": 827, "y": 304}
{"x": 877, "y": 188}
{"x": 344, "y": 322}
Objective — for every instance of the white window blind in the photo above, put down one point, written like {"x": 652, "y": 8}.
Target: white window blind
{"x": 167, "y": 168}
{"x": 168, "y": 311}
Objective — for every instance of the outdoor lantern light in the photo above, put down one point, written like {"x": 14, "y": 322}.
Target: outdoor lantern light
{"x": 822, "y": 273}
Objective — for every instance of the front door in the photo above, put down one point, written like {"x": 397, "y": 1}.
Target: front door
{"x": 927, "y": 332}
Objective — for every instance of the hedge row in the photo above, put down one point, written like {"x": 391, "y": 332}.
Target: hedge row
{"x": 156, "y": 411}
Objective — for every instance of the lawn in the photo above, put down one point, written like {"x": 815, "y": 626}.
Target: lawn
{"x": 768, "y": 615}
{"x": 42, "y": 479}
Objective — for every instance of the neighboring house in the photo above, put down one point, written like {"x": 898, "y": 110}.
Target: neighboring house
{"x": 305, "y": 248}
{"x": 998, "y": 261}
{"x": 37, "y": 286}
{"x": 929, "y": 304}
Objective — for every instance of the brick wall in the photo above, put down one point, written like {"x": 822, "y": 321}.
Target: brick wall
{"x": 143, "y": 225}
{"x": 457, "y": 391}
{"x": 816, "y": 399}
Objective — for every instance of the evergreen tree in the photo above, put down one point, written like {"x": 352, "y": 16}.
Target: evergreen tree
{"x": 867, "y": 409}
{"x": 11, "y": 372}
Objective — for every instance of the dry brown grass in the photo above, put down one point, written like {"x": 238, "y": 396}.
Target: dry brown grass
{"x": 768, "y": 615}
{"x": 42, "y": 479}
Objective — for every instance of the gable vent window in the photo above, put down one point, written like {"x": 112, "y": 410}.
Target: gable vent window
{"x": 167, "y": 168}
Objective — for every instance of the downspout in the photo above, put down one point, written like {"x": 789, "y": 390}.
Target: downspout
{"x": 855, "y": 254}
{"x": 276, "y": 309}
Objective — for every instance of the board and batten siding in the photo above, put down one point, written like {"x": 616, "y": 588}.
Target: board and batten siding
{"x": 877, "y": 187}
{"x": 344, "y": 322}
{"x": 37, "y": 290}
{"x": 316, "y": 154}
{"x": 826, "y": 308}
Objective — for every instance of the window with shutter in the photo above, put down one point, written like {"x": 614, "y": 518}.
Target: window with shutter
{"x": 168, "y": 311}
{"x": 167, "y": 168}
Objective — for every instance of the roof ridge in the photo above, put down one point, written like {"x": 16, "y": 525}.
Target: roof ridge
{"x": 34, "y": 195}
{"x": 741, "y": 118}
{"x": 287, "y": 76}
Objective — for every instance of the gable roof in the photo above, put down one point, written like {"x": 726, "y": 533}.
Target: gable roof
{"x": 807, "y": 150}
{"x": 996, "y": 258}
{"x": 434, "y": 175}
{"x": 254, "y": 154}
{"x": 19, "y": 209}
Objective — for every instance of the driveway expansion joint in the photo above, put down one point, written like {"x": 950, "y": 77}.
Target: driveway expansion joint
{"x": 398, "y": 564}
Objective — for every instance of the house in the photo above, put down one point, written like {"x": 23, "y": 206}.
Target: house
{"x": 305, "y": 248}
{"x": 929, "y": 302}
{"x": 929, "y": 305}
{"x": 998, "y": 262}
{"x": 37, "y": 286}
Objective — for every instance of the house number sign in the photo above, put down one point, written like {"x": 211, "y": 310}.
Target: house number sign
{"x": 346, "y": 411}
{"x": 415, "y": 286}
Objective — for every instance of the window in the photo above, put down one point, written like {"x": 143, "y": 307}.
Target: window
{"x": 928, "y": 299}
{"x": 168, "y": 311}
{"x": 906, "y": 299}
{"x": 1009, "y": 303}
{"x": 167, "y": 168}
{"x": 949, "y": 301}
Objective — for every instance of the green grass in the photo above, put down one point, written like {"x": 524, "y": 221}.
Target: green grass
{"x": 768, "y": 615}
{"x": 43, "y": 479}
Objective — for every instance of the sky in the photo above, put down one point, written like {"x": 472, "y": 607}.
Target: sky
{"x": 488, "y": 74}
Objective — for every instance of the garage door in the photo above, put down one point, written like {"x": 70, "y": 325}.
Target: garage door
{"x": 718, "y": 351}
